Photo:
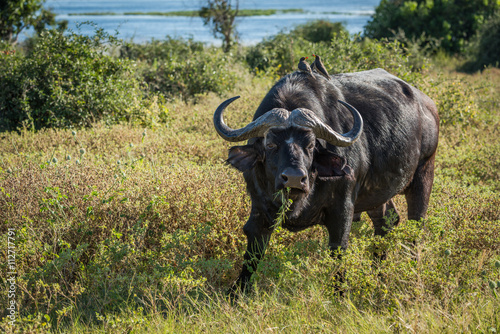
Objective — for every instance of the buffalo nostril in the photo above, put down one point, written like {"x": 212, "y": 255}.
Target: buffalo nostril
{"x": 294, "y": 178}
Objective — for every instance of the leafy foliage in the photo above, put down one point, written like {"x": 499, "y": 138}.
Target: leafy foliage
{"x": 163, "y": 50}
{"x": 320, "y": 31}
{"x": 83, "y": 84}
{"x": 121, "y": 229}
{"x": 220, "y": 14}
{"x": 17, "y": 15}
{"x": 451, "y": 22}
{"x": 183, "y": 68}
{"x": 67, "y": 80}
{"x": 279, "y": 54}
{"x": 485, "y": 46}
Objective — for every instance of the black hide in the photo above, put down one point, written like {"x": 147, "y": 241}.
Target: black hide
{"x": 395, "y": 154}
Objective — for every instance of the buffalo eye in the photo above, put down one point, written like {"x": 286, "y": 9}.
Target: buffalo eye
{"x": 310, "y": 147}
{"x": 271, "y": 146}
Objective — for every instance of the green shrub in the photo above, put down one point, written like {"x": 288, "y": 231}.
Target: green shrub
{"x": 351, "y": 55}
{"x": 205, "y": 71}
{"x": 163, "y": 50}
{"x": 342, "y": 53}
{"x": 453, "y": 22}
{"x": 456, "y": 102}
{"x": 84, "y": 254}
{"x": 67, "y": 80}
{"x": 178, "y": 67}
{"x": 279, "y": 53}
{"x": 485, "y": 47}
{"x": 319, "y": 31}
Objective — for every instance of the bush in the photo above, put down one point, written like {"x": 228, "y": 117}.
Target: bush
{"x": 151, "y": 246}
{"x": 281, "y": 53}
{"x": 161, "y": 50}
{"x": 452, "y": 22}
{"x": 342, "y": 53}
{"x": 351, "y": 55}
{"x": 178, "y": 67}
{"x": 319, "y": 31}
{"x": 67, "y": 80}
{"x": 202, "y": 72}
{"x": 485, "y": 47}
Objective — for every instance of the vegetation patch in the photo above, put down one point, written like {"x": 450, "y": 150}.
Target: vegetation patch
{"x": 67, "y": 81}
{"x": 125, "y": 217}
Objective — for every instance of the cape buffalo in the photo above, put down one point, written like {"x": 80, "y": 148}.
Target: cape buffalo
{"x": 341, "y": 146}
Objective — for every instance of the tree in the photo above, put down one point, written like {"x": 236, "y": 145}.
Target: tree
{"x": 221, "y": 15}
{"x": 484, "y": 50}
{"x": 17, "y": 15}
{"x": 450, "y": 22}
{"x": 320, "y": 30}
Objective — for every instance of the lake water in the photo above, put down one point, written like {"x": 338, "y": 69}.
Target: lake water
{"x": 252, "y": 29}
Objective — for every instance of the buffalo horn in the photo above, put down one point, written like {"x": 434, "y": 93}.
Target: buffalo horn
{"x": 257, "y": 128}
{"x": 306, "y": 118}
{"x": 282, "y": 118}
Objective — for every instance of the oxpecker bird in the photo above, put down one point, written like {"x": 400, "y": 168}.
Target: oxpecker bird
{"x": 318, "y": 66}
{"x": 304, "y": 65}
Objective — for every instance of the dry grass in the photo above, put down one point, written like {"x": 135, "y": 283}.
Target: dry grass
{"x": 152, "y": 242}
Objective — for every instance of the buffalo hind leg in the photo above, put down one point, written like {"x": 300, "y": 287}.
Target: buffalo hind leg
{"x": 418, "y": 194}
{"x": 356, "y": 217}
{"x": 384, "y": 218}
{"x": 418, "y": 191}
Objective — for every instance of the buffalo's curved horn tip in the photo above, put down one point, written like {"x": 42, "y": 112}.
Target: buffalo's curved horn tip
{"x": 357, "y": 127}
{"x": 220, "y": 126}
{"x": 325, "y": 132}
{"x": 257, "y": 128}
{"x": 350, "y": 137}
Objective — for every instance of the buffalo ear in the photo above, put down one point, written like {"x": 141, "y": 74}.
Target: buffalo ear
{"x": 328, "y": 164}
{"x": 244, "y": 157}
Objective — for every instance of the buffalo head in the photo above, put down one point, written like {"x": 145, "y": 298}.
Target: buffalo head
{"x": 287, "y": 144}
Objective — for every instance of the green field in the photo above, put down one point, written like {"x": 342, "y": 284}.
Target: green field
{"x": 133, "y": 222}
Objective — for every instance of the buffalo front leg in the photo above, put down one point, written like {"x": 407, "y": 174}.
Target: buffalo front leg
{"x": 258, "y": 237}
{"x": 338, "y": 222}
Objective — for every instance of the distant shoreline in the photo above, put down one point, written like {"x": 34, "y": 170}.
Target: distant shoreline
{"x": 194, "y": 13}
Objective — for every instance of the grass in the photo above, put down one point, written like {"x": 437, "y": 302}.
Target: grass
{"x": 143, "y": 233}
{"x": 282, "y": 196}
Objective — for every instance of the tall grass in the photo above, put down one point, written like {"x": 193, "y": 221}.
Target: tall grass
{"x": 120, "y": 228}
